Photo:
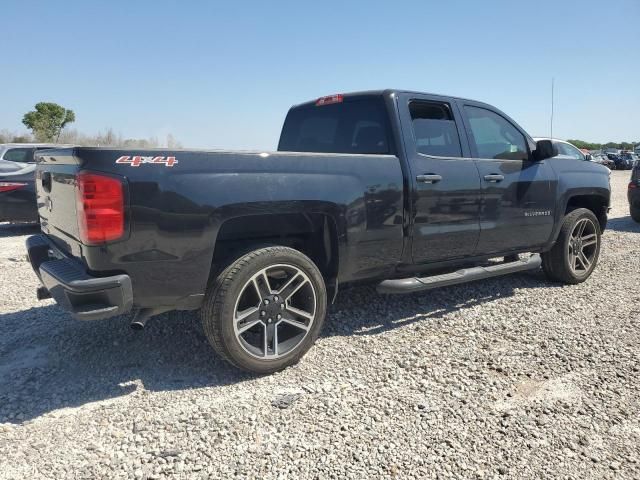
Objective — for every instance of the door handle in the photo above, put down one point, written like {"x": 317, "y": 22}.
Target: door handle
{"x": 429, "y": 178}
{"x": 494, "y": 177}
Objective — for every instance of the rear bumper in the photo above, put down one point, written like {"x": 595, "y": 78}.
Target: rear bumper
{"x": 86, "y": 297}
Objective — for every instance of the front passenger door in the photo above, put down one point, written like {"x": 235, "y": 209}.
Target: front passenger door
{"x": 518, "y": 194}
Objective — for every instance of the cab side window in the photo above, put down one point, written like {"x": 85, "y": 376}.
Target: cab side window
{"x": 494, "y": 136}
{"x": 434, "y": 129}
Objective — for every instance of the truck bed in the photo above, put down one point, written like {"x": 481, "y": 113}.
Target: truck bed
{"x": 178, "y": 200}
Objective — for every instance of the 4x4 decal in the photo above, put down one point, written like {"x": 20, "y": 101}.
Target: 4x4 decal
{"x": 137, "y": 160}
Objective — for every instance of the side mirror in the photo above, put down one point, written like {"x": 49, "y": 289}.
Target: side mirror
{"x": 544, "y": 149}
{"x": 588, "y": 157}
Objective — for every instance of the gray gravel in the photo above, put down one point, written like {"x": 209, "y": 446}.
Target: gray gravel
{"x": 514, "y": 377}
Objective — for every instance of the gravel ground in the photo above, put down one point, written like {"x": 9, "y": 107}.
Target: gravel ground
{"x": 509, "y": 378}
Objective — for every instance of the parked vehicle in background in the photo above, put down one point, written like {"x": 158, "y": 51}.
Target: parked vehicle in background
{"x": 629, "y": 158}
{"x": 18, "y": 196}
{"x": 567, "y": 150}
{"x": 620, "y": 163}
{"x": 626, "y": 161}
{"x": 409, "y": 190}
{"x": 633, "y": 193}
{"x": 17, "y": 177}
{"x": 586, "y": 153}
{"x": 603, "y": 160}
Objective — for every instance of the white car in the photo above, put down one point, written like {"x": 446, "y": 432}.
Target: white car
{"x": 567, "y": 150}
{"x": 16, "y": 156}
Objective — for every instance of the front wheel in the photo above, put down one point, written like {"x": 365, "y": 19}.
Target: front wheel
{"x": 266, "y": 309}
{"x": 576, "y": 251}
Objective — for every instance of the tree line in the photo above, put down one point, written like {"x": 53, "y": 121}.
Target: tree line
{"x": 109, "y": 138}
{"x": 48, "y": 124}
{"x": 602, "y": 146}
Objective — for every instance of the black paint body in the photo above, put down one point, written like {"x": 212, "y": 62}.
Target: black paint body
{"x": 383, "y": 222}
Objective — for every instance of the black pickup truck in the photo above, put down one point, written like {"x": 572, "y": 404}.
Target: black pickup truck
{"x": 409, "y": 190}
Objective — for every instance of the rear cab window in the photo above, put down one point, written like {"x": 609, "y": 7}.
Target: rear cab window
{"x": 357, "y": 125}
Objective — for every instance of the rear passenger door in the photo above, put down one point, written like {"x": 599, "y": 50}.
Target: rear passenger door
{"x": 445, "y": 185}
{"x": 518, "y": 193}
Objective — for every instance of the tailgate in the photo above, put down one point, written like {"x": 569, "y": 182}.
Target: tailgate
{"x": 56, "y": 197}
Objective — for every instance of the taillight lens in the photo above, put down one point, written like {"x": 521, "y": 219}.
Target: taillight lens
{"x": 632, "y": 185}
{"x": 100, "y": 208}
{"x": 11, "y": 186}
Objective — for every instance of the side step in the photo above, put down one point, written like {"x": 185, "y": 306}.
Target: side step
{"x": 414, "y": 284}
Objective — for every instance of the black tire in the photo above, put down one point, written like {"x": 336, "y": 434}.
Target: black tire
{"x": 635, "y": 213}
{"x": 556, "y": 262}
{"x": 224, "y": 291}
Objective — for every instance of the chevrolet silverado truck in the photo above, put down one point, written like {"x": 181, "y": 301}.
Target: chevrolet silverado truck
{"x": 409, "y": 190}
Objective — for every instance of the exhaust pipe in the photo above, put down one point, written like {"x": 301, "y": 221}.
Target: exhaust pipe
{"x": 141, "y": 316}
{"x": 42, "y": 293}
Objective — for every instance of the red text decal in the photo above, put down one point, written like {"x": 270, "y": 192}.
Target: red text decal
{"x": 138, "y": 160}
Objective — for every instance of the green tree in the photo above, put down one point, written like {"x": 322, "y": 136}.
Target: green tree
{"x": 47, "y": 121}
{"x": 583, "y": 144}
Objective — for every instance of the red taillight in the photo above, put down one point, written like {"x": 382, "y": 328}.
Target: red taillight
{"x": 11, "y": 186}
{"x": 329, "y": 100}
{"x": 100, "y": 205}
{"x": 632, "y": 185}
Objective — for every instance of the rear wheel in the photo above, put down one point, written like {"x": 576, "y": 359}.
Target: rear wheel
{"x": 635, "y": 213}
{"x": 266, "y": 309}
{"x": 576, "y": 251}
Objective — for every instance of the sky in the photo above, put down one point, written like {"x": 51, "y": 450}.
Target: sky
{"x": 220, "y": 74}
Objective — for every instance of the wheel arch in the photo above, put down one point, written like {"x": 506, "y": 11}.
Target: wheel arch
{"x": 594, "y": 199}
{"x": 316, "y": 234}
{"x": 598, "y": 204}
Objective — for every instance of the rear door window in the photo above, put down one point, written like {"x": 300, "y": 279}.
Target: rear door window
{"x": 493, "y": 136}
{"x": 351, "y": 126}
{"x": 434, "y": 129}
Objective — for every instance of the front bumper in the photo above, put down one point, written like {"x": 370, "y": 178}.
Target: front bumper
{"x": 86, "y": 297}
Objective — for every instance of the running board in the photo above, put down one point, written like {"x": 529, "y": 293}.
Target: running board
{"x": 410, "y": 285}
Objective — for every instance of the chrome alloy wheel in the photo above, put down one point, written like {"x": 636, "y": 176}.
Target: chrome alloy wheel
{"x": 583, "y": 246}
{"x": 274, "y": 311}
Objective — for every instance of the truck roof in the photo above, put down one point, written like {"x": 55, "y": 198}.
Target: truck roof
{"x": 383, "y": 93}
